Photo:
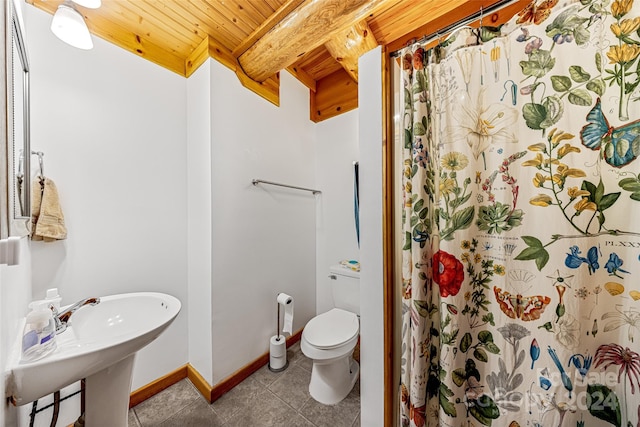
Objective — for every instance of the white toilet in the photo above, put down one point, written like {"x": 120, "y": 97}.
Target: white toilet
{"x": 329, "y": 339}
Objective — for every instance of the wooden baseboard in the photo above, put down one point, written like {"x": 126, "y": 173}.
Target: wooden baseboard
{"x": 241, "y": 374}
{"x": 155, "y": 387}
{"x": 210, "y": 393}
{"x": 199, "y": 382}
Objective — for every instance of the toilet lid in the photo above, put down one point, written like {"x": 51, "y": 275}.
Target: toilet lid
{"x": 331, "y": 329}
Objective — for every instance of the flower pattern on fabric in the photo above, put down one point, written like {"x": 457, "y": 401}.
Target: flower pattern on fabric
{"x": 448, "y": 273}
{"x": 483, "y": 125}
{"x": 520, "y": 239}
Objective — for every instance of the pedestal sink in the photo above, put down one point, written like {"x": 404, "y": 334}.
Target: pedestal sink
{"x": 100, "y": 345}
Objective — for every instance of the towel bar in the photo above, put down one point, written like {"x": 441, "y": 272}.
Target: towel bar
{"x": 261, "y": 181}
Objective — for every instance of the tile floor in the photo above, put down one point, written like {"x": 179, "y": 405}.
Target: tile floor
{"x": 264, "y": 399}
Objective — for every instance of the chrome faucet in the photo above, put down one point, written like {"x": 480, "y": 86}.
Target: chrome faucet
{"x": 62, "y": 318}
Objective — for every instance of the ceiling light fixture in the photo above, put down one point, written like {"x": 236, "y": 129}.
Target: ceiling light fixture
{"x": 69, "y": 25}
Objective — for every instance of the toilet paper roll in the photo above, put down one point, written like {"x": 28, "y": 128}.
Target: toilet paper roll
{"x": 277, "y": 352}
{"x": 278, "y": 346}
{"x": 287, "y": 302}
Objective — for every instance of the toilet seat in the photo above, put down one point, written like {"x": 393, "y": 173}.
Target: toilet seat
{"x": 331, "y": 329}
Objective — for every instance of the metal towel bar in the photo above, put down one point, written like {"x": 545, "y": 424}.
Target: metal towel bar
{"x": 261, "y": 181}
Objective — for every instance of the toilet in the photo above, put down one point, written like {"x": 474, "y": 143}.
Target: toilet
{"x": 329, "y": 339}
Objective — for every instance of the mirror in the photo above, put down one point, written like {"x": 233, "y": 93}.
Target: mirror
{"x": 18, "y": 125}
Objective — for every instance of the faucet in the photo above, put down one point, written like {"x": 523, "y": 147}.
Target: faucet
{"x": 62, "y": 318}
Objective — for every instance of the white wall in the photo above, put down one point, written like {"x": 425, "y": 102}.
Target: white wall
{"x": 246, "y": 243}
{"x": 336, "y": 150}
{"x": 15, "y": 294}
{"x": 114, "y": 139}
{"x": 199, "y": 220}
{"x": 371, "y": 276}
{"x": 113, "y": 130}
{"x": 263, "y": 237}
{"x": 118, "y": 133}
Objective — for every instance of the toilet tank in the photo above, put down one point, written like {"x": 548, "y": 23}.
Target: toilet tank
{"x": 345, "y": 288}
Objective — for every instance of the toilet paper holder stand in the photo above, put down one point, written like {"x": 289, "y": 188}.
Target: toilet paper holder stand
{"x": 286, "y": 364}
{"x": 278, "y": 323}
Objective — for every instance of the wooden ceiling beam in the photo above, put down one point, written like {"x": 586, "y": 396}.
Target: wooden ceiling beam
{"x": 269, "y": 89}
{"x": 211, "y": 48}
{"x": 268, "y": 24}
{"x": 307, "y": 27}
{"x": 318, "y": 63}
{"x": 347, "y": 46}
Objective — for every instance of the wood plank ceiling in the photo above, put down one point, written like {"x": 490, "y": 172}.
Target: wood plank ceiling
{"x": 318, "y": 41}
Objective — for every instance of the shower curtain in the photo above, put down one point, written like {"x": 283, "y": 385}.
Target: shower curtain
{"x": 521, "y": 191}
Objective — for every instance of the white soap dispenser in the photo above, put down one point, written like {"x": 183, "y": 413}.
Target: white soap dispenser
{"x": 39, "y": 335}
{"x": 53, "y": 298}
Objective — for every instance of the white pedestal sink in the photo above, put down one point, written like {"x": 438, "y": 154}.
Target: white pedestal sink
{"x": 100, "y": 345}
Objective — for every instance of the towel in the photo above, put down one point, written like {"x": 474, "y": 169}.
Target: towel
{"x": 36, "y": 202}
{"x": 47, "y": 219}
{"x": 351, "y": 264}
{"x": 356, "y": 198}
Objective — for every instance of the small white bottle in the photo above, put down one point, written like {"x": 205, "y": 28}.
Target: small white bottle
{"x": 39, "y": 335}
{"x": 52, "y": 297}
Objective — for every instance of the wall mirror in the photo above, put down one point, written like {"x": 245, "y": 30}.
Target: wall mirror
{"x": 18, "y": 125}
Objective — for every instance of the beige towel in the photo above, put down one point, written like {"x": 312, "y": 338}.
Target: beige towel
{"x": 36, "y": 202}
{"x": 47, "y": 219}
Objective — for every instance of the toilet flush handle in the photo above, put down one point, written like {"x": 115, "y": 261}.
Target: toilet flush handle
{"x": 333, "y": 277}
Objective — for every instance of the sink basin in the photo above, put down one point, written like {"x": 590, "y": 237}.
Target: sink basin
{"x": 121, "y": 316}
{"x": 99, "y": 344}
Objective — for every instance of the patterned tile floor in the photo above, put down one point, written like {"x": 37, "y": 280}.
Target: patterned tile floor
{"x": 264, "y": 399}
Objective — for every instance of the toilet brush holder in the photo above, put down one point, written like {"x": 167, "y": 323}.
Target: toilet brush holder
{"x": 278, "y": 353}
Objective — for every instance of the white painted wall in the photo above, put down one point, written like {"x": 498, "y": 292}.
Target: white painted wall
{"x": 246, "y": 243}
{"x": 263, "y": 238}
{"x": 199, "y": 220}
{"x": 336, "y": 150}
{"x": 15, "y": 294}
{"x": 114, "y": 139}
{"x": 371, "y": 258}
{"x": 156, "y": 198}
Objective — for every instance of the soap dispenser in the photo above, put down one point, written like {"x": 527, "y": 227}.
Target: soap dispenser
{"x": 39, "y": 335}
{"x": 53, "y": 299}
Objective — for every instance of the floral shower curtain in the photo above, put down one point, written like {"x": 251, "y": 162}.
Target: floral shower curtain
{"x": 521, "y": 298}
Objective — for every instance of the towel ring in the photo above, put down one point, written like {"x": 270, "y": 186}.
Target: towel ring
{"x": 40, "y": 155}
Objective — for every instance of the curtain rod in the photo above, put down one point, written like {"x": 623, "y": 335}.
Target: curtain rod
{"x": 464, "y": 21}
